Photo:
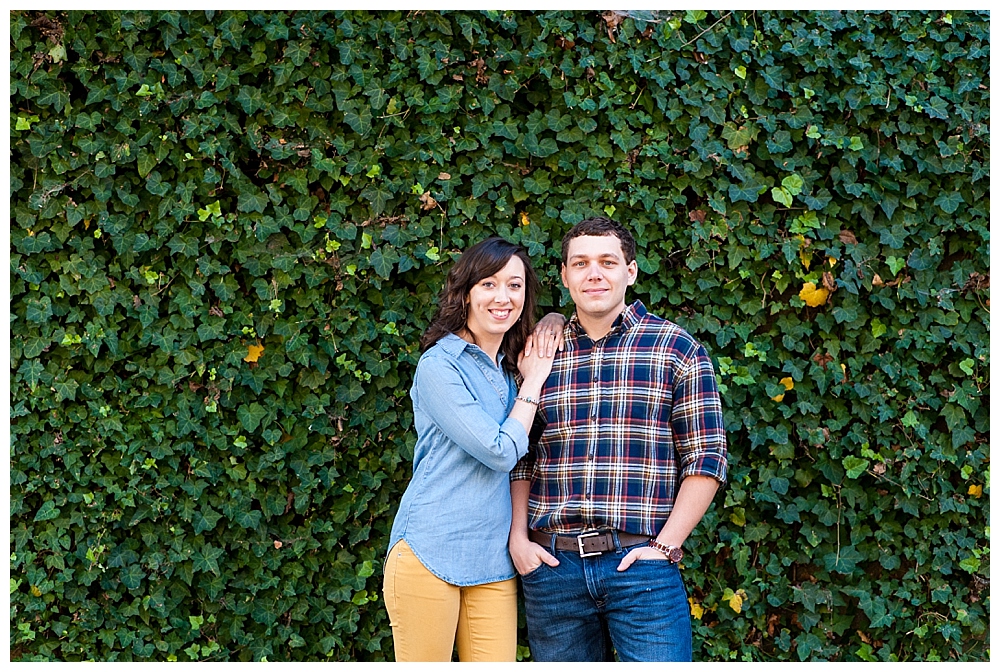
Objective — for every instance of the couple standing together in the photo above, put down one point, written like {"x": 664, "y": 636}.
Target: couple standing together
{"x": 626, "y": 452}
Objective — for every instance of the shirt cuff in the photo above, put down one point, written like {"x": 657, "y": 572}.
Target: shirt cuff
{"x": 515, "y": 430}
{"x": 524, "y": 469}
{"x": 711, "y": 465}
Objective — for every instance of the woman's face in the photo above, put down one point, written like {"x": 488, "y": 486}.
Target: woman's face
{"x": 495, "y": 303}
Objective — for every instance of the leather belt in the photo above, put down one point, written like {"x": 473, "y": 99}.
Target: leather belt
{"x": 588, "y": 543}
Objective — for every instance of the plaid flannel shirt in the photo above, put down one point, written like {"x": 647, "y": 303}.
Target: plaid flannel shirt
{"x": 622, "y": 421}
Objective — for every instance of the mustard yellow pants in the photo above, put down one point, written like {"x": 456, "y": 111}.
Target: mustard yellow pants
{"x": 427, "y": 614}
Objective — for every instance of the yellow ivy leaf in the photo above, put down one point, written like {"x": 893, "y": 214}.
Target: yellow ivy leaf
{"x": 253, "y": 353}
{"x": 805, "y": 254}
{"x": 788, "y": 383}
{"x": 976, "y": 491}
{"x": 524, "y": 219}
{"x": 736, "y": 603}
{"x": 833, "y": 262}
{"x": 697, "y": 611}
{"x": 813, "y": 296}
{"x": 36, "y": 591}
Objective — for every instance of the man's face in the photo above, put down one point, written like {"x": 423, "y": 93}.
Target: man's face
{"x": 597, "y": 275}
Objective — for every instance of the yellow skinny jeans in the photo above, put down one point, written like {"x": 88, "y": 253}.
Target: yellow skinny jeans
{"x": 428, "y": 614}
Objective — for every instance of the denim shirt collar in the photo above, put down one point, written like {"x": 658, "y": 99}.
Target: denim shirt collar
{"x": 454, "y": 345}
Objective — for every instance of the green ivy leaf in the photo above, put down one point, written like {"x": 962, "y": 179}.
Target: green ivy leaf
{"x": 748, "y": 191}
{"x": 383, "y": 262}
{"x": 855, "y": 466}
{"x": 248, "y": 520}
{"x": 937, "y": 108}
{"x": 781, "y": 195}
{"x": 737, "y": 136}
{"x": 24, "y": 123}
{"x": 206, "y": 559}
{"x": 145, "y": 162}
{"x": 48, "y": 511}
{"x": 66, "y": 389}
{"x": 250, "y": 415}
{"x": 38, "y": 310}
{"x": 949, "y": 201}
{"x": 252, "y": 201}
{"x": 206, "y": 519}
{"x": 131, "y": 576}
{"x": 793, "y": 185}
{"x": 895, "y": 264}
{"x": 58, "y": 100}
{"x": 31, "y": 372}
{"x": 970, "y": 564}
{"x": 954, "y": 415}
{"x": 359, "y": 118}
{"x": 843, "y": 561}
{"x": 378, "y": 195}
{"x": 250, "y": 99}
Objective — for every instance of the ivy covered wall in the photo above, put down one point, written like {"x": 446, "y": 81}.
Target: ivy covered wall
{"x": 228, "y": 230}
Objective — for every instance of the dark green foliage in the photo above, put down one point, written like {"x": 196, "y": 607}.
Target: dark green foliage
{"x": 186, "y": 186}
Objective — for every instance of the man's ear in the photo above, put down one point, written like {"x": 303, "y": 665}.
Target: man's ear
{"x": 633, "y": 272}
{"x": 562, "y": 274}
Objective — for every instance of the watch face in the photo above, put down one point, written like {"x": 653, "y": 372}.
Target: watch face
{"x": 675, "y": 555}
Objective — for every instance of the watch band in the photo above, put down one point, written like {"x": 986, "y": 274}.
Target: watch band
{"x": 674, "y": 553}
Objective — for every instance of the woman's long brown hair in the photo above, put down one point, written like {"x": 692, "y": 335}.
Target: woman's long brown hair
{"x": 481, "y": 261}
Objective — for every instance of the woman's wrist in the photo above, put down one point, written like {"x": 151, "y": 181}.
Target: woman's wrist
{"x": 530, "y": 389}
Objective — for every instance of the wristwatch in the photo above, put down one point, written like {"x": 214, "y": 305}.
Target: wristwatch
{"x": 674, "y": 553}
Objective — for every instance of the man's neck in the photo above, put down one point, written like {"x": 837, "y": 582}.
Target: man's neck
{"x": 597, "y": 327}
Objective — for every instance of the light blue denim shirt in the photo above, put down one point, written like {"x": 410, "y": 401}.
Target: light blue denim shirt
{"x": 455, "y": 513}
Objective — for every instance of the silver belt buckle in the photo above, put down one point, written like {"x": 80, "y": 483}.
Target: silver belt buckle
{"x": 579, "y": 543}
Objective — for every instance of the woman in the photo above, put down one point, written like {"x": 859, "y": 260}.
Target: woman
{"x": 448, "y": 572}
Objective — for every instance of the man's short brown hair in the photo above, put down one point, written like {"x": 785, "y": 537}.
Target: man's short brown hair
{"x": 600, "y": 226}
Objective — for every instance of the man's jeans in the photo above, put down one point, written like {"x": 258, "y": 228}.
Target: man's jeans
{"x": 575, "y": 608}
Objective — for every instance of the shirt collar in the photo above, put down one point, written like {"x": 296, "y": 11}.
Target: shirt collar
{"x": 454, "y": 345}
{"x": 628, "y": 318}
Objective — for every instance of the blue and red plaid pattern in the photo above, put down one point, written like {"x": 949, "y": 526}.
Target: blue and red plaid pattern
{"x": 625, "y": 419}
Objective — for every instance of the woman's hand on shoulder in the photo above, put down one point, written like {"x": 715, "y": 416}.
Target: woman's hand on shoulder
{"x": 535, "y": 362}
{"x": 550, "y": 326}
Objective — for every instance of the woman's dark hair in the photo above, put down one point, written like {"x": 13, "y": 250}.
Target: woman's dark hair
{"x": 481, "y": 261}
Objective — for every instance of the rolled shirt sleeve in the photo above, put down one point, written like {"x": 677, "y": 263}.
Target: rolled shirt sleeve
{"x": 697, "y": 421}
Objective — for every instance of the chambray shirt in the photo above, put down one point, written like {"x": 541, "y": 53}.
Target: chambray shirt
{"x": 626, "y": 419}
{"x": 455, "y": 514}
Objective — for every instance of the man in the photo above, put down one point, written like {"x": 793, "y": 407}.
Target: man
{"x": 631, "y": 454}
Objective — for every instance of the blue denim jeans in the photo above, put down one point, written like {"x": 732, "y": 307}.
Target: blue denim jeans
{"x": 578, "y": 610}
